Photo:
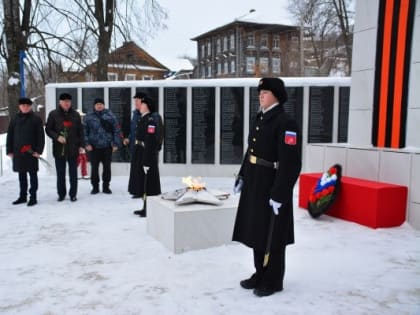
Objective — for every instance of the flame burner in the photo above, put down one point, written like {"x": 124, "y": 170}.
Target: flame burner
{"x": 195, "y": 192}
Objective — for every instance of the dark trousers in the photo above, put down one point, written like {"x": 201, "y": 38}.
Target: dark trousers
{"x": 273, "y": 274}
{"x": 23, "y": 183}
{"x": 60, "y": 166}
{"x": 103, "y": 156}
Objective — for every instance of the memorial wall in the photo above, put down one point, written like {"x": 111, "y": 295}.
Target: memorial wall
{"x": 206, "y": 122}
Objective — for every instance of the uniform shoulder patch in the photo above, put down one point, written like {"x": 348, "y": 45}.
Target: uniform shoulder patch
{"x": 151, "y": 129}
{"x": 290, "y": 137}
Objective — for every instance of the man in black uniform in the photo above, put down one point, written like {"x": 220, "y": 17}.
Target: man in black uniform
{"x": 25, "y": 143}
{"x": 144, "y": 161}
{"x": 268, "y": 173}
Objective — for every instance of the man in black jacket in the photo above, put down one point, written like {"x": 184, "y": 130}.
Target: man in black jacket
{"x": 268, "y": 173}
{"x": 64, "y": 127}
{"x": 25, "y": 143}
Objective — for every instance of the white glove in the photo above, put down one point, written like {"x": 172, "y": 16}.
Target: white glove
{"x": 238, "y": 185}
{"x": 275, "y": 205}
{"x": 146, "y": 169}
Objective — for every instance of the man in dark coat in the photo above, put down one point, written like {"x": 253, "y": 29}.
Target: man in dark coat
{"x": 64, "y": 127}
{"x": 144, "y": 162}
{"x": 268, "y": 173}
{"x": 102, "y": 138}
{"x": 25, "y": 143}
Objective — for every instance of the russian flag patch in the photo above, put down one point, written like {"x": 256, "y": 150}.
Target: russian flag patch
{"x": 151, "y": 129}
{"x": 290, "y": 138}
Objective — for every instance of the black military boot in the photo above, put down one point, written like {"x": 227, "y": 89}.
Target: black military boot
{"x": 94, "y": 190}
{"x": 250, "y": 283}
{"x": 141, "y": 213}
{"x": 32, "y": 201}
{"x": 106, "y": 190}
{"x": 21, "y": 199}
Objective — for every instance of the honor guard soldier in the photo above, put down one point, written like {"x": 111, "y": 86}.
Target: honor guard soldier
{"x": 144, "y": 171}
{"x": 271, "y": 166}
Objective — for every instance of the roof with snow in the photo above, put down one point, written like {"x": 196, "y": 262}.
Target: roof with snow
{"x": 251, "y": 18}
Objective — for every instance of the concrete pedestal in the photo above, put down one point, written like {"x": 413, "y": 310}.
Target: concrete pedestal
{"x": 194, "y": 226}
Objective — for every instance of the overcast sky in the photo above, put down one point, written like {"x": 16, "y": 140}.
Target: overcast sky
{"x": 189, "y": 18}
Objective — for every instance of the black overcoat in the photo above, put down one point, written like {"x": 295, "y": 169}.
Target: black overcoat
{"x": 55, "y": 127}
{"x": 267, "y": 140}
{"x": 145, "y": 153}
{"x": 25, "y": 129}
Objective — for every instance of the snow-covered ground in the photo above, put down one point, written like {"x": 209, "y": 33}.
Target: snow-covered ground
{"x": 95, "y": 257}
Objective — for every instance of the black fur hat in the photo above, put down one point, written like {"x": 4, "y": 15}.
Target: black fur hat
{"x": 276, "y": 86}
{"x": 25, "y": 100}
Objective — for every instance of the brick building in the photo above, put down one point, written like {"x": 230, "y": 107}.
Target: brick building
{"x": 128, "y": 62}
{"x": 249, "y": 47}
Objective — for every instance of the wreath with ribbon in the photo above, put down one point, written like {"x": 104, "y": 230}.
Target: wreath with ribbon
{"x": 324, "y": 193}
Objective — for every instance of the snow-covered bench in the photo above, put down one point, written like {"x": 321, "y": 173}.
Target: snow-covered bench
{"x": 370, "y": 203}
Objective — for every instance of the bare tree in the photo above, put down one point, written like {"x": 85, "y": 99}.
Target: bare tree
{"x": 327, "y": 29}
{"x": 124, "y": 19}
{"x": 52, "y": 30}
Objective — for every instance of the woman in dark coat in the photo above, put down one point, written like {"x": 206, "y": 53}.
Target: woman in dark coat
{"x": 145, "y": 153}
{"x": 268, "y": 173}
{"x": 25, "y": 143}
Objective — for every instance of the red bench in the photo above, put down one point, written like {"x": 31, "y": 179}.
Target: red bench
{"x": 370, "y": 203}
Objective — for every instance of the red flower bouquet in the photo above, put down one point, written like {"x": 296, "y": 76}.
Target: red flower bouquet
{"x": 325, "y": 191}
{"x": 67, "y": 124}
{"x": 27, "y": 148}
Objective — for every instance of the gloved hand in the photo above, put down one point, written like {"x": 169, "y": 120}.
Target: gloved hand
{"x": 239, "y": 182}
{"x": 146, "y": 169}
{"x": 275, "y": 205}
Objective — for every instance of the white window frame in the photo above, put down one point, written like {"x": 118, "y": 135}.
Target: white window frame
{"x": 276, "y": 42}
{"x": 219, "y": 68}
{"x": 250, "y": 40}
{"x": 232, "y": 66}
{"x": 225, "y": 43}
{"x": 264, "y": 41}
{"x": 276, "y": 65}
{"x": 250, "y": 64}
{"x": 203, "y": 51}
{"x": 209, "y": 71}
{"x": 208, "y": 48}
{"x": 112, "y": 76}
{"x": 232, "y": 41}
{"x": 264, "y": 64}
{"x": 218, "y": 45}
{"x": 226, "y": 67}
{"x": 130, "y": 77}
{"x": 147, "y": 77}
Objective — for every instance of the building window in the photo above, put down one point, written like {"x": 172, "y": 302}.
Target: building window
{"x": 203, "y": 72}
{"x": 276, "y": 42}
{"x": 209, "y": 71}
{"x": 203, "y": 50}
{"x": 264, "y": 65}
{"x": 250, "y": 40}
{"x": 218, "y": 45}
{"x": 232, "y": 66}
{"x": 250, "y": 64}
{"x": 208, "y": 48}
{"x": 232, "y": 41}
{"x": 112, "y": 76}
{"x": 264, "y": 41}
{"x": 219, "y": 68}
{"x": 276, "y": 65}
{"x": 147, "y": 77}
{"x": 130, "y": 76}
{"x": 225, "y": 43}
{"x": 226, "y": 67}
